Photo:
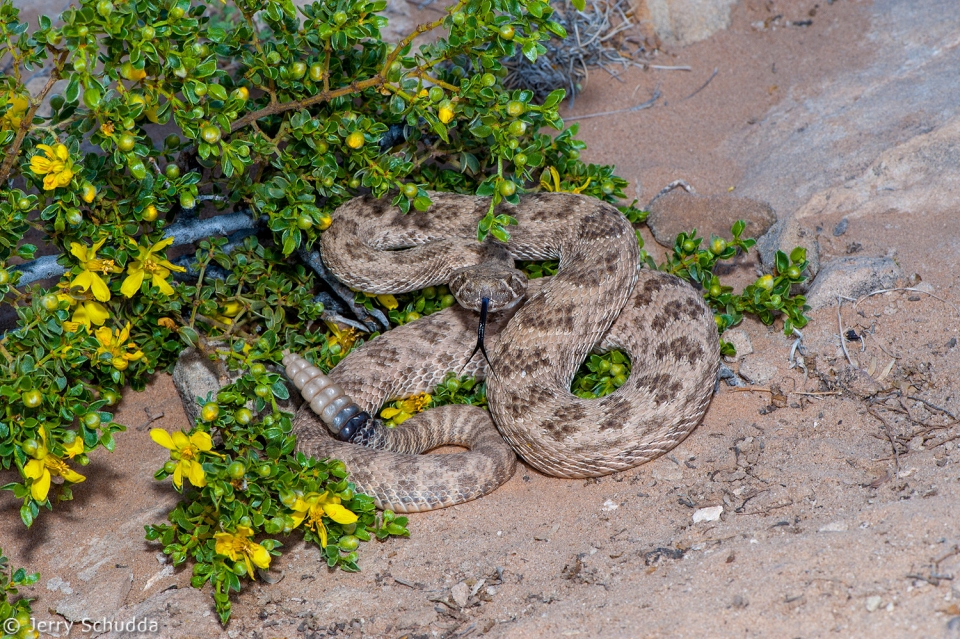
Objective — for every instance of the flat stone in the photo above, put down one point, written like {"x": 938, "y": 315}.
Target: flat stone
{"x": 873, "y": 603}
{"x": 681, "y": 22}
{"x": 98, "y": 598}
{"x": 197, "y": 378}
{"x": 711, "y": 513}
{"x": 757, "y": 371}
{"x": 786, "y": 235}
{"x": 852, "y": 277}
{"x": 740, "y": 341}
{"x": 179, "y": 612}
{"x": 679, "y": 211}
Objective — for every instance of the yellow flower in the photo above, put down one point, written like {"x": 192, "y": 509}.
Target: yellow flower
{"x": 345, "y": 337}
{"x": 186, "y": 452}
{"x": 75, "y": 448}
{"x": 239, "y": 544}
{"x": 112, "y": 343}
{"x": 56, "y": 166}
{"x": 107, "y": 129}
{"x": 166, "y": 322}
{"x": 14, "y": 115}
{"x": 388, "y": 301}
{"x": 93, "y": 267}
{"x": 314, "y": 507}
{"x": 44, "y": 465}
{"x": 148, "y": 264}
{"x": 404, "y": 409}
{"x": 556, "y": 187}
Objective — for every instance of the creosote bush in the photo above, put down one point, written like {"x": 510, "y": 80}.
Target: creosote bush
{"x": 157, "y": 110}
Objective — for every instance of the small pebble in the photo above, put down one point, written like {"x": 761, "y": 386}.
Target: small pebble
{"x": 873, "y": 603}
{"x": 609, "y": 505}
{"x": 840, "y": 228}
{"x": 460, "y": 594}
{"x": 707, "y": 514}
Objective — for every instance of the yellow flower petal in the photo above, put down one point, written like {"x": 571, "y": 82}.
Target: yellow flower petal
{"x": 34, "y": 469}
{"x": 387, "y": 413}
{"x": 75, "y": 448}
{"x": 163, "y": 438}
{"x": 195, "y": 473}
{"x": 100, "y": 290}
{"x": 180, "y": 440}
{"x": 71, "y": 475}
{"x": 260, "y": 556}
{"x": 201, "y": 440}
{"x": 131, "y": 285}
{"x": 389, "y": 301}
{"x": 40, "y": 487}
{"x": 339, "y": 514}
{"x": 104, "y": 335}
{"x": 96, "y": 312}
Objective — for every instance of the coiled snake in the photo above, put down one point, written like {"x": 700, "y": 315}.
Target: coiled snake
{"x": 599, "y": 300}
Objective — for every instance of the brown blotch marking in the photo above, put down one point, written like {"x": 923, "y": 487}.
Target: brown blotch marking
{"x": 600, "y": 225}
{"x": 681, "y": 348}
{"x": 611, "y": 422}
{"x": 661, "y": 385}
{"x": 644, "y": 294}
{"x": 572, "y": 412}
{"x": 558, "y": 430}
{"x": 659, "y": 322}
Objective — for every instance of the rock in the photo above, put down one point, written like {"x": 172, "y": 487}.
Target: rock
{"x": 711, "y": 513}
{"x": 98, "y": 598}
{"x": 873, "y": 603}
{"x": 460, "y": 594}
{"x": 757, "y": 371}
{"x": 679, "y": 211}
{"x": 888, "y": 131}
{"x": 834, "y": 526}
{"x": 667, "y": 471}
{"x": 195, "y": 376}
{"x": 179, "y": 612}
{"x": 786, "y": 235}
{"x": 741, "y": 342}
{"x": 852, "y": 277}
{"x": 680, "y": 22}
{"x": 856, "y": 381}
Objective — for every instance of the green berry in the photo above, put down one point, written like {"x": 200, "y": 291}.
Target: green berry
{"x": 515, "y": 108}
{"x": 4, "y": 276}
{"x": 236, "y": 470}
{"x": 339, "y": 18}
{"x": 243, "y": 416}
{"x": 30, "y": 447}
{"x": 316, "y": 72}
{"x": 31, "y": 398}
{"x": 348, "y": 543}
{"x": 265, "y": 470}
{"x": 91, "y": 420}
{"x": 170, "y": 467}
{"x": 304, "y": 222}
{"x": 718, "y": 245}
{"x": 126, "y": 142}
{"x": 507, "y": 32}
{"x": 263, "y": 391}
{"x": 298, "y": 70}
{"x": 258, "y": 370}
{"x": 689, "y": 246}
{"x": 517, "y": 128}
{"x": 793, "y": 273}
{"x": 488, "y": 79}
{"x": 148, "y": 32}
{"x": 410, "y": 190}
{"x": 608, "y": 187}
{"x": 459, "y": 19}
{"x": 49, "y": 302}
{"x": 765, "y": 282}
{"x": 211, "y": 134}
{"x": 172, "y": 171}
{"x": 187, "y": 200}
{"x": 507, "y": 188}
{"x": 210, "y": 412}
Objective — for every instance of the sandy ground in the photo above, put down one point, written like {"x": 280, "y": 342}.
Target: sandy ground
{"x": 838, "y": 489}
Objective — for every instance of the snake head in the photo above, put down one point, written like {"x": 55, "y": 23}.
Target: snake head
{"x": 503, "y": 286}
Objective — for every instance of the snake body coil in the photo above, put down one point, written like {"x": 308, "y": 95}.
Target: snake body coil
{"x": 598, "y": 301}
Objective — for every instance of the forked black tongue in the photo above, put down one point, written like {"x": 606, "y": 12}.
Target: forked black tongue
{"x": 484, "y": 304}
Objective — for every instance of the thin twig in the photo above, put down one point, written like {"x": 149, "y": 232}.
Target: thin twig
{"x": 911, "y": 289}
{"x": 704, "y": 85}
{"x": 843, "y": 344}
{"x": 933, "y": 406}
{"x": 645, "y": 105}
{"x": 889, "y": 434}
{"x": 14, "y": 150}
